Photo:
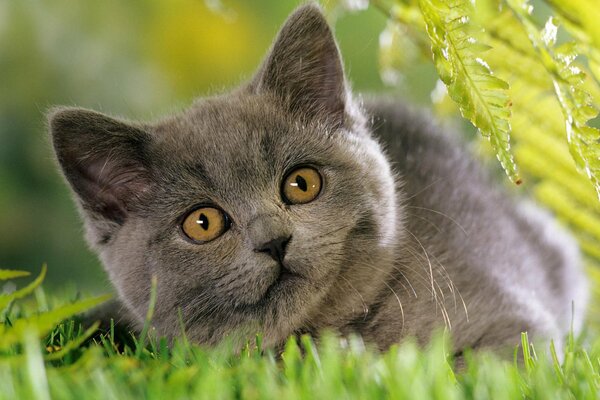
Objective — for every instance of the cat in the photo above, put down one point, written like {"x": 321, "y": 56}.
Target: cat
{"x": 287, "y": 206}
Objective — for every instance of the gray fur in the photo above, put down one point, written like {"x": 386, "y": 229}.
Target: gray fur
{"x": 398, "y": 242}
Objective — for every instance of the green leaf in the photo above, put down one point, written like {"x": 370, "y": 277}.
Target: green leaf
{"x": 585, "y": 221}
{"x": 43, "y": 323}
{"x": 481, "y": 96}
{"x": 397, "y": 51}
{"x": 569, "y": 86}
{"x": 5, "y": 299}
{"x": 10, "y": 274}
{"x": 582, "y": 15}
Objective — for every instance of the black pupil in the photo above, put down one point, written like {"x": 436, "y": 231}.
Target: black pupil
{"x": 301, "y": 182}
{"x": 203, "y": 221}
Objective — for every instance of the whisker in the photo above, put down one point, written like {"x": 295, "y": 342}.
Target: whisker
{"x": 442, "y": 214}
{"x": 426, "y": 255}
{"x": 435, "y": 287}
{"x": 399, "y": 304}
{"x": 422, "y": 190}
{"x": 365, "y": 306}
{"x": 428, "y": 221}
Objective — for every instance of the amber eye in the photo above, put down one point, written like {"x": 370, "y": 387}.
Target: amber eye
{"x": 301, "y": 186}
{"x": 205, "y": 224}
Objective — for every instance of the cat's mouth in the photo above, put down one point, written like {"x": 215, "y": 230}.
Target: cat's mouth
{"x": 284, "y": 278}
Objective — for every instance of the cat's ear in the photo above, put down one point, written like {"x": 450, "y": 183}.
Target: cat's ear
{"x": 304, "y": 67}
{"x": 102, "y": 159}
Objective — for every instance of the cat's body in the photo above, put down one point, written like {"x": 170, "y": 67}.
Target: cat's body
{"x": 352, "y": 243}
{"x": 498, "y": 263}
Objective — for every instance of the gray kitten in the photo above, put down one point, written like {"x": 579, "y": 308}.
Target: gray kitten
{"x": 275, "y": 209}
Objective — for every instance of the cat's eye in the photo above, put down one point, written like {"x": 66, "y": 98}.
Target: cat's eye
{"x": 205, "y": 224}
{"x": 302, "y": 185}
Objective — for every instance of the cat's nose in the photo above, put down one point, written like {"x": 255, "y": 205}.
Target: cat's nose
{"x": 275, "y": 247}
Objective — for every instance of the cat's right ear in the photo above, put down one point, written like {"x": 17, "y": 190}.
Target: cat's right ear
{"x": 304, "y": 68}
{"x": 103, "y": 159}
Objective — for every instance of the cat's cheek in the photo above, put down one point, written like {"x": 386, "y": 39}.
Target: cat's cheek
{"x": 131, "y": 280}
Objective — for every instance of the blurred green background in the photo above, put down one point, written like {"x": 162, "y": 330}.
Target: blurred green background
{"x": 136, "y": 59}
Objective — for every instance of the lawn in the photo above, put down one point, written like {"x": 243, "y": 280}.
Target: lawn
{"x": 43, "y": 356}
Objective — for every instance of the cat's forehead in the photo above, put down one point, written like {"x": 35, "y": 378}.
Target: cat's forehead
{"x": 239, "y": 132}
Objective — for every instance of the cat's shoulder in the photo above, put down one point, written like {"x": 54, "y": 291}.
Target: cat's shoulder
{"x": 404, "y": 128}
{"x": 419, "y": 146}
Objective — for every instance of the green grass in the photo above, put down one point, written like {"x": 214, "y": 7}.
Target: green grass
{"x": 61, "y": 362}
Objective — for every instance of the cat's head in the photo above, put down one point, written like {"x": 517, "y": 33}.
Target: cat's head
{"x": 264, "y": 209}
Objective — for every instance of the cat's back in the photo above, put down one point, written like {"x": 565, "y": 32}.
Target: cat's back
{"x": 468, "y": 237}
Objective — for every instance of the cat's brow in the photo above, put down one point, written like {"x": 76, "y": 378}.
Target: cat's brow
{"x": 199, "y": 171}
{"x": 268, "y": 145}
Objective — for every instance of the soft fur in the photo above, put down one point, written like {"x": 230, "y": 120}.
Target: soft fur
{"x": 408, "y": 233}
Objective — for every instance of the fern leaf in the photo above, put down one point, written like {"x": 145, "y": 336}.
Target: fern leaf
{"x": 11, "y": 274}
{"x": 5, "y": 299}
{"x": 582, "y": 15}
{"x": 595, "y": 67}
{"x": 544, "y": 168}
{"x": 590, "y": 248}
{"x": 512, "y": 55}
{"x": 396, "y": 51}
{"x": 566, "y": 209}
{"x": 568, "y": 82}
{"x": 537, "y": 120}
{"x": 481, "y": 96}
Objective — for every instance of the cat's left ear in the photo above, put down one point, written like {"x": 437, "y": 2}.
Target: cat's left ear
{"x": 304, "y": 68}
{"x": 103, "y": 160}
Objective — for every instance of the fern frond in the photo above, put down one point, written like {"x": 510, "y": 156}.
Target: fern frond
{"x": 480, "y": 95}
{"x": 511, "y": 54}
{"x": 543, "y": 153}
{"x": 582, "y": 17}
{"x": 554, "y": 196}
{"x": 396, "y": 52}
{"x": 568, "y": 82}
{"x": 546, "y": 169}
{"x": 537, "y": 115}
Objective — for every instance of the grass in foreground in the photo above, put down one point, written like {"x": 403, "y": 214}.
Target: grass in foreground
{"x": 60, "y": 365}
